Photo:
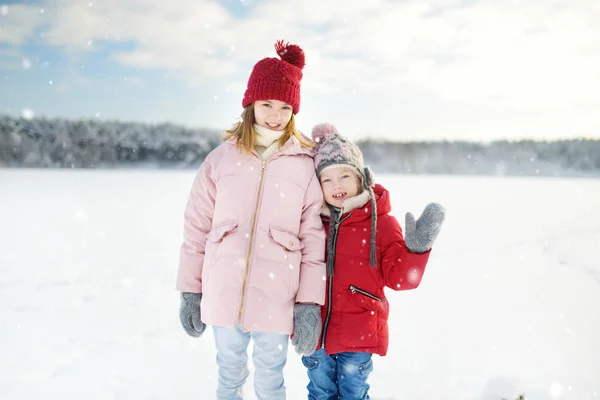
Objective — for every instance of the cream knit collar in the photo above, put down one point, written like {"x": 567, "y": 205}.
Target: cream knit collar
{"x": 267, "y": 141}
{"x": 266, "y": 136}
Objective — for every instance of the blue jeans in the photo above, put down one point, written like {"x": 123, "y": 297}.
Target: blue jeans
{"x": 338, "y": 376}
{"x": 269, "y": 356}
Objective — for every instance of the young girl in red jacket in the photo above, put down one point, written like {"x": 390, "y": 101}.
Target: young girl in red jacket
{"x": 366, "y": 252}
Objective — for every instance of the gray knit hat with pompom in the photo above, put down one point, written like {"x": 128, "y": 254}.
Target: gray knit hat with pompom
{"x": 334, "y": 149}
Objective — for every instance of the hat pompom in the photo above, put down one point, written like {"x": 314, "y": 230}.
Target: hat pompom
{"x": 290, "y": 53}
{"x": 322, "y": 130}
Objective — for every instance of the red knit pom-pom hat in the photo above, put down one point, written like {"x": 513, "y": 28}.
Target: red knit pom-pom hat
{"x": 277, "y": 79}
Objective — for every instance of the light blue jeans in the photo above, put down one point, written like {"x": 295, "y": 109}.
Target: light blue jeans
{"x": 269, "y": 356}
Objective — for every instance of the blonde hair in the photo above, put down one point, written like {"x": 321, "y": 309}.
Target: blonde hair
{"x": 246, "y": 134}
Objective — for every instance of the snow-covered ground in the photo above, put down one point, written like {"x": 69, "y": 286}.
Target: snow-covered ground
{"x": 510, "y": 301}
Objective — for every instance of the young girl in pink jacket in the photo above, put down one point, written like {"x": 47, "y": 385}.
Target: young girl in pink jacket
{"x": 252, "y": 259}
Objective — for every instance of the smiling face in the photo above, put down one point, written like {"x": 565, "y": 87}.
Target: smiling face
{"x": 272, "y": 114}
{"x": 339, "y": 183}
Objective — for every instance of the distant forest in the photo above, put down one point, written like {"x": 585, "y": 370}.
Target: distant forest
{"x": 63, "y": 143}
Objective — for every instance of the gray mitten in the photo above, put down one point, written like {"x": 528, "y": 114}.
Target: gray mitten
{"x": 189, "y": 313}
{"x": 307, "y": 328}
{"x": 420, "y": 235}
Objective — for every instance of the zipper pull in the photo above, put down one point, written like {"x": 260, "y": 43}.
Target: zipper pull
{"x": 353, "y": 289}
{"x": 264, "y": 164}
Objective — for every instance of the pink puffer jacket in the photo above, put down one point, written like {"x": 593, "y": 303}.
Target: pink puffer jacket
{"x": 254, "y": 243}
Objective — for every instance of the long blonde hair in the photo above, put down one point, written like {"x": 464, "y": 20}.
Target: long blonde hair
{"x": 246, "y": 134}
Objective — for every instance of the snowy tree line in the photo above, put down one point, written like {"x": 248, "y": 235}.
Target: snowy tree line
{"x": 576, "y": 157}
{"x": 61, "y": 143}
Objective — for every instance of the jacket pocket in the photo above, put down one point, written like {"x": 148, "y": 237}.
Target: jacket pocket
{"x": 359, "y": 321}
{"x": 217, "y": 234}
{"x": 287, "y": 240}
{"x": 213, "y": 241}
{"x": 278, "y": 257}
{"x": 363, "y": 295}
{"x": 292, "y": 255}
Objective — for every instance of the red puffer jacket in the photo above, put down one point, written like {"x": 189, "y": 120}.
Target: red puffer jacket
{"x": 356, "y": 311}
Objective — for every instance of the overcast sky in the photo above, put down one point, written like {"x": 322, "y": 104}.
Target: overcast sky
{"x": 440, "y": 69}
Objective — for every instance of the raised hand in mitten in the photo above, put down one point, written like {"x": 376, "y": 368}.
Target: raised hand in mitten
{"x": 420, "y": 235}
{"x": 307, "y": 328}
{"x": 189, "y": 313}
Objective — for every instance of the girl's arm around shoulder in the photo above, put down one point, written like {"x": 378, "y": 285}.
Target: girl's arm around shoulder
{"x": 312, "y": 237}
{"x": 402, "y": 270}
{"x": 197, "y": 224}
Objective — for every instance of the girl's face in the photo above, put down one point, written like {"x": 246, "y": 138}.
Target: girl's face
{"x": 338, "y": 184}
{"x": 272, "y": 114}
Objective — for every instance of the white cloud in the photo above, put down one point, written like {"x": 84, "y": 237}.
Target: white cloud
{"x": 521, "y": 55}
{"x": 18, "y": 23}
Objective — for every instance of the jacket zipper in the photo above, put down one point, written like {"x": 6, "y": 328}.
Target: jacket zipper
{"x": 253, "y": 230}
{"x": 260, "y": 186}
{"x": 354, "y": 289}
{"x": 330, "y": 283}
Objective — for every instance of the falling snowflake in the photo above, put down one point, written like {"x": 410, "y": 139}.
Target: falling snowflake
{"x": 239, "y": 164}
{"x": 556, "y": 390}
{"x": 414, "y": 275}
{"x": 50, "y": 82}
{"x": 282, "y": 195}
{"x": 272, "y": 275}
{"x": 570, "y": 332}
{"x": 4, "y": 10}
{"x": 348, "y": 369}
{"x": 364, "y": 242}
{"x": 280, "y": 347}
{"x": 26, "y": 63}
{"x": 27, "y": 113}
